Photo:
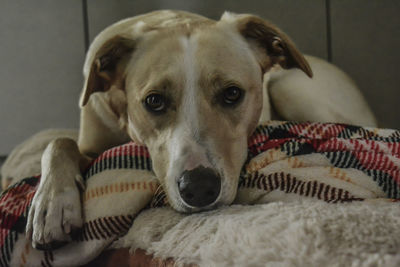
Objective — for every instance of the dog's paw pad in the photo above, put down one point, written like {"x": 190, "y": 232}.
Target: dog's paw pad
{"x": 49, "y": 246}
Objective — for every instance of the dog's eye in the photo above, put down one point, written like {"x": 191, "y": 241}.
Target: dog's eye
{"x": 155, "y": 103}
{"x": 231, "y": 95}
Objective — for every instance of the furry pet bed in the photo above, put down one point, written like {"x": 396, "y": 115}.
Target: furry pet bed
{"x": 304, "y": 162}
{"x": 303, "y": 233}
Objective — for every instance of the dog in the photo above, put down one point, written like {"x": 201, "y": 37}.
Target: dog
{"x": 192, "y": 90}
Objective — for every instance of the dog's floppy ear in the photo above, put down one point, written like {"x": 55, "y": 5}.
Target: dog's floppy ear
{"x": 269, "y": 40}
{"x": 107, "y": 64}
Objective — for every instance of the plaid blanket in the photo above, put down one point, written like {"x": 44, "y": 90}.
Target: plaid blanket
{"x": 287, "y": 160}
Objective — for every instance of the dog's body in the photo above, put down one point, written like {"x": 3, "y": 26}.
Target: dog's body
{"x": 192, "y": 90}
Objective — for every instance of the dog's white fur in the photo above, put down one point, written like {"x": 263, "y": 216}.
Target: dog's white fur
{"x": 183, "y": 43}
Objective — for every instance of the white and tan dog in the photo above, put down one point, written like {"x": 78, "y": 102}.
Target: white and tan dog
{"x": 192, "y": 90}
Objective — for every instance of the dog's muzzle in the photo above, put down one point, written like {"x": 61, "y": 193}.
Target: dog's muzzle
{"x": 199, "y": 187}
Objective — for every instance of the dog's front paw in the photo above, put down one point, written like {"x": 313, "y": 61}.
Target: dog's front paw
{"x": 55, "y": 213}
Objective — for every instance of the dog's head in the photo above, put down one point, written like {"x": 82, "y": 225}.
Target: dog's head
{"x": 193, "y": 94}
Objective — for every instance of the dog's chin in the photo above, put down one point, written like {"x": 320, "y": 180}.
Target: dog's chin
{"x": 179, "y": 204}
{"x": 184, "y": 208}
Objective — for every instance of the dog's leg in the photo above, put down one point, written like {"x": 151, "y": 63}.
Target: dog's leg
{"x": 56, "y": 207}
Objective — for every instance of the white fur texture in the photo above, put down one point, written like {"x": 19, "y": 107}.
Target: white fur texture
{"x": 306, "y": 233}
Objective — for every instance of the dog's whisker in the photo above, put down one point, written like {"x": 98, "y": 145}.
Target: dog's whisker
{"x": 158, "y": 189}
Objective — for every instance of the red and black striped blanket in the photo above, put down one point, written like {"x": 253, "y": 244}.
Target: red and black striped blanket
{"x": 287, "y": 160}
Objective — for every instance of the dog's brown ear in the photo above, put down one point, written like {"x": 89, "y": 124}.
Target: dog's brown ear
{"x": 271, "y": 41}
{"x": 107, "y": 66}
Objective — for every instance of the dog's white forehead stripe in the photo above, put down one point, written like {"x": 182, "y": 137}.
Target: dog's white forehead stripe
{"x": 138, "y": 27}
{"x": 229, "y": 16}
{"x": 186, "y": 130}
{"x": 190, "y": 90}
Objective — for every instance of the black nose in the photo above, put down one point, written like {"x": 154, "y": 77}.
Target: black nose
{"x": 199, "y": 187}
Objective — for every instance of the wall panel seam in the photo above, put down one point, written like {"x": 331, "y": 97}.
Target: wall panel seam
{"x": 85, "y": 24}
{"x": 328, "y": 29}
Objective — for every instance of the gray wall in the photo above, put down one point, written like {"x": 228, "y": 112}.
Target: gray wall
{"x": 42, "y": 45}
{"x": 41, "y": 54}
